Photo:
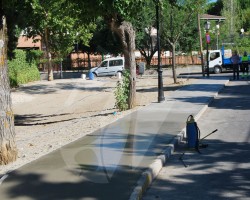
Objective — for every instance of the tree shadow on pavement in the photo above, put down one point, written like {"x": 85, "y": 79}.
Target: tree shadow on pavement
{"x": 233, "y": 97}
{"x": 37, "y": 186}
{"x": 220, "y": 171}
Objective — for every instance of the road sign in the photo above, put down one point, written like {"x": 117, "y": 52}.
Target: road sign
{"x": 207, "y": 38}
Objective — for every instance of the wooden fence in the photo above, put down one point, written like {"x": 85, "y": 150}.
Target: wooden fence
{"x": 82, "y": 63}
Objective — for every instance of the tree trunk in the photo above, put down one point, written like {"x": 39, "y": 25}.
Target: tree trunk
{"x": 8, "y": 150}
{"x": 148, "y": 56}
{"x": 126, "y": 34}
{"x": 48, "y": 55}
{"x": 201, "y": 47}
{"x": 173, "y": 63}
{"x": 89, "y": 61}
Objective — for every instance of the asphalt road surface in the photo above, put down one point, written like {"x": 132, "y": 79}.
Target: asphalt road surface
{"x": 222, "y": 170}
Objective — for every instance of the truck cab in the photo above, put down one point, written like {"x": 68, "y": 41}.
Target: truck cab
{"x": 215, "y": 61}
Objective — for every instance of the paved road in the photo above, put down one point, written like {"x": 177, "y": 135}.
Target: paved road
{"x": 222, "y": 171}
{"x": 108, "y": 163}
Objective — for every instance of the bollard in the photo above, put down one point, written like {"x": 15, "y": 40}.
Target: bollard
{"x": 119, "y": 75}
{"x": 83, "y": 76}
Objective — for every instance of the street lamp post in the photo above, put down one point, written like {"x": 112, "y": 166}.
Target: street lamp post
{"x": 207, "y": 27}
{"x": 218, "y": 32}
{"x": 161, "y": 97}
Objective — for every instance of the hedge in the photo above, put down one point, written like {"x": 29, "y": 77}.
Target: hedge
{"x": 23, "y": 68}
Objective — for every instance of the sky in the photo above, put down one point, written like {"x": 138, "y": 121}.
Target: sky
{"x": 211, "y": 1}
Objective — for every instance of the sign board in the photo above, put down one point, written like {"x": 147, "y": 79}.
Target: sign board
{"x": 207, "y": 38}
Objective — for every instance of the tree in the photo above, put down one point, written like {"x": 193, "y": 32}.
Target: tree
{"x": 8, "y": 150}
{"x": 125, "y": 31}
{"x": 118, "y": 14}
{"x": 178, "y": 16}
{"x": 103, "y": 41}
{"x": 215, "y": 8}
{"x": 245, "y": 14}
{"x": 231, "y": 26}
{"x": 146, "y": 41}
{"x": 57, "y": 22}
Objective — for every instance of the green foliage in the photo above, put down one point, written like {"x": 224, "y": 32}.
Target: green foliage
{"x": 215, "y": 8}
{"x": 180, "y": 22}
{"x": 60, "y": 20}
{"x": 243, "y": 44}
{"x": 144, "y": 25}
{"x": 122, "y": 92}
{"x": 34, "y": 56}
{"x": 22, "y": 69}
{"x": 126, "y": 9}
{"x": 232, "y": 25}
{"x": 103, "y": 40}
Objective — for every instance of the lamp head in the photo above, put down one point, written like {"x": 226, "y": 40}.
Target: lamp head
{"x": 207, "y": 25}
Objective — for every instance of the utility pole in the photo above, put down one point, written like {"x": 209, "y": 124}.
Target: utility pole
{"x": 201, "y": 46}
{"x": 232, "y": 20}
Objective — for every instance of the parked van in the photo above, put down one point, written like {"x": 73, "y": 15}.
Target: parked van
{"x": 109, "y": 67}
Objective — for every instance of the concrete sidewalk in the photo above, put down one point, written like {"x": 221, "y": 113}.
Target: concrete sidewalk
{"x": 108, "y": 163}
{"x": 221, "y": 171}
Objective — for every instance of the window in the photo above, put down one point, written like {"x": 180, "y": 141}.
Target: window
{"x": 113, "y": 63}
{"x": 214, "y": 55}
{"x": 104, "y": 64}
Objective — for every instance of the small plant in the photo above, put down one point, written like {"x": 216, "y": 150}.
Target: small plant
{"x": 122, "y": 92}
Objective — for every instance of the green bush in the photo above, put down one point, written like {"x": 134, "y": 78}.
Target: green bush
{"x": 22, "y": 69}
{"x": 122, "y": 92}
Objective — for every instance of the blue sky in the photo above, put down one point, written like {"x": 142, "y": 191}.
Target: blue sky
{"x": 212, "y": 1}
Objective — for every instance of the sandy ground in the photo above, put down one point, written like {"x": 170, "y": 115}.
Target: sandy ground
{"x": 49, "y": 115}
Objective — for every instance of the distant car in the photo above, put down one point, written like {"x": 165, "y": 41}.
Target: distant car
{"x": 109, "y": 67}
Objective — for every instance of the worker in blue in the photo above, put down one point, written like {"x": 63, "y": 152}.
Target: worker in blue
{"x": 235, "y": 59}
{"x": 244, "y": 64}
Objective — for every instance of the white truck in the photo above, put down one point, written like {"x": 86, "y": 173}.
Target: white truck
{"x": 219, "y": 60}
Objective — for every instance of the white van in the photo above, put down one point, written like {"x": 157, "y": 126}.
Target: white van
{"x": 109, "y": 67}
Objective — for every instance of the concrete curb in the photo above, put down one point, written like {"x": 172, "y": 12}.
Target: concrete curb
{"x": 154, "y": 168}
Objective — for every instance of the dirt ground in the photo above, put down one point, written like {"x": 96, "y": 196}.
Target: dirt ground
{"x": 49, "y": 115}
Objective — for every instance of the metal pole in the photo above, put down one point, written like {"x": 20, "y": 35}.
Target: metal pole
{"x": 217, "y": 43}
{"x": 77, "y": 47}
{"x": 61, "y": 74}
{"x": 161, "y": 97}
{"x": 201, "y": 47}
{"x": 207, "y": 62}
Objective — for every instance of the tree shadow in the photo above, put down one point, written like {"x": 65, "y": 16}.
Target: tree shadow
{"x": 220, "y": 172}
{"x": 236, "y": 96}
{"x": 79, "y": 184}
{"x": 38, "y": 119}
{"x": 50, "y": 89}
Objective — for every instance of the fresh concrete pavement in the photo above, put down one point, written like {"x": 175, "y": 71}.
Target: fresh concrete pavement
{"x": 108, "y": 163}
{"x": 222, "y": 170}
